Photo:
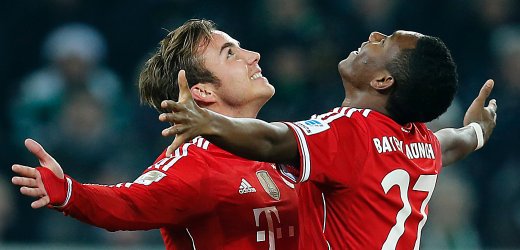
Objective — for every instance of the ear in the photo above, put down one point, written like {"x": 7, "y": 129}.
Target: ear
{"x": 382, "y": 81}
{"x": 202, "y": 94}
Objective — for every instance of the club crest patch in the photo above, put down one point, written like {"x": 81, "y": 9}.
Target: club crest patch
{"x": 268, "y": 184}
{"x": 312, "y": 126}
{"x": 150, "y": 177}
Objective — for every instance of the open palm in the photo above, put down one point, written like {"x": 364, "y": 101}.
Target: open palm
{"x": 484, "y": 115}
{"x": 188, "y": 119}
{"x": 29, "y": 179}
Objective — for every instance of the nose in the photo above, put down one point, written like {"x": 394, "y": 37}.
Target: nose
{"x": 251, "y": 56}
{"x": 376, "y": 36}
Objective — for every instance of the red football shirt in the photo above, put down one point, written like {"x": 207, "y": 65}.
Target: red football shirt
{"x": 366, "y": 180}
{"x": 202, "y": 198}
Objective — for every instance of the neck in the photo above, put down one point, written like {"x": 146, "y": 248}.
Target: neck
{"x": 236, "y": 112}
{"x": 369, "y": 99}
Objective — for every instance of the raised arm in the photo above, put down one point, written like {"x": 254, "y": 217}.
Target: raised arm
{"x": 250, "y": 138}
{"x": 458, "y": 143}
{"x": 154, "y": 200}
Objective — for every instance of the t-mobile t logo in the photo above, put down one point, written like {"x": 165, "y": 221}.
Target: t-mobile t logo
{"x": 260, "y": 235}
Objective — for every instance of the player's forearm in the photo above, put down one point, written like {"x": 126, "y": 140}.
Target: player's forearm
{"x": 456, "y": 144}
{"x": 107, "y": 207}
{"x": 253, "y": 139}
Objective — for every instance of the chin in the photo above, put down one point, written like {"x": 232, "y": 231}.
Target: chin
{"x": 269, "y": 88}
{"x": 342, "y": 63}
{"x": 269, "y": 93}
{"x": 343, "y": 66}
{"x": 272, "y": 89}
{"x": 347, "y": 60}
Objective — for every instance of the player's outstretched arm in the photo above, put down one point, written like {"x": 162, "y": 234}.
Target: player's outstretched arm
{"x": 249, "y": 138}
{"x": 479, "y": 122}
{"x": 132, "y": 206}
{"x": 30, "y": 180}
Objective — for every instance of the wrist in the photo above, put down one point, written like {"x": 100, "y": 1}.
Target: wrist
{"x": 68, "y": 194}
{"x": 214, "y": 124}
{"x": 479, "y": 133}
{"x": 58, "y": 190}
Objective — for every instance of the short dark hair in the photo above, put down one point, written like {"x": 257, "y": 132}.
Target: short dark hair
{"x": 178, "y": 50}
{"x": 425, "y": 82}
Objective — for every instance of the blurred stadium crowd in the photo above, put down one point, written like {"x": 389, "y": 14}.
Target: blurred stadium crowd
{"x": 69, "y": 70}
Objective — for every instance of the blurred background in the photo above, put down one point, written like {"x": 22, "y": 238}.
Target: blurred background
{"x": 69, "y": 71}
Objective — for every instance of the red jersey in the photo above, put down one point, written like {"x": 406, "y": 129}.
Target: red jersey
{"x": 366, "y": 180}
{"x": 201, "y": 198}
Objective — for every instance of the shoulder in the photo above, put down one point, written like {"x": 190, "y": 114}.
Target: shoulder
{"x": 346, "y": 118}
{"x": 193, "y": 153}
{"x": 345, "y": 115}
{"x": 341, "y": 120}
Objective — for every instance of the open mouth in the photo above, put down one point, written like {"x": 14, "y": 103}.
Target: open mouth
{"x": 256, "y": 76}
{"x": 360, "y": 47}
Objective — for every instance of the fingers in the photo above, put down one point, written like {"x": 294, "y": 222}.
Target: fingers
{"x": 172, "y": 106}
{"x": 179, "y": 140}
{"x": 174, "y": 130}
{"x": 168, "y": 132}
{"x": 24, "y": 181}
{"x": 172, "y": 117}
{"x": 178, "y": 119}
{"x": 184, "y": 89}
{"x": 24, "y": 171}
{"x": 42, "y": 202}
{"x": 32, "y": 192}
{"x": 184, "y": 94}
{"x": 484, "y": 93}
{"x": 37, "y": 149}
{"x": 169, "y": 150}
{"x": 493, "y": 105}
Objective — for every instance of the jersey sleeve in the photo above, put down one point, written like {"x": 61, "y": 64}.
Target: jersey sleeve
{"x": 166, "y": 194}
{"x": 324, "y": 141}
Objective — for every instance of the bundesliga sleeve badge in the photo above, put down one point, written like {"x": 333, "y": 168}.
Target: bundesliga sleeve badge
{"x": 312, "y": 126}
{"x": 150, "y": 177}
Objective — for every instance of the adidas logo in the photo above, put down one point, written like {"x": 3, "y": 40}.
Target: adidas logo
{"x": 245, "y": 187}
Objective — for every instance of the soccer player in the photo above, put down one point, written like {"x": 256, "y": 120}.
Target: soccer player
{"x": 194, "y": 196}
{"x": 368, "y": 168}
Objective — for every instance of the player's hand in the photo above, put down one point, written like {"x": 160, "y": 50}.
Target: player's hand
{"x": 477, "y": 112}
{"x": 188, "y": 119}
{"x": 29, "y": 179}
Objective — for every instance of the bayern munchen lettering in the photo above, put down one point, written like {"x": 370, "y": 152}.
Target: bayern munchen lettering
{"x": 414, "y": 150}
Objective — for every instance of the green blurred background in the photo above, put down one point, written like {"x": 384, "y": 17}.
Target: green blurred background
{"x": 69, "y": 70}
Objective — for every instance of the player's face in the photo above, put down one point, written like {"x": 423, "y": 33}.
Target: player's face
{"x": 242, "y": 85}
{"x": 370, "y": 59}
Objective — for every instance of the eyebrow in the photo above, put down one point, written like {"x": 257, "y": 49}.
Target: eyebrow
{"x": 226, "y": 45}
